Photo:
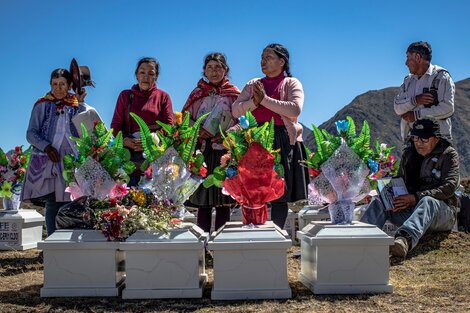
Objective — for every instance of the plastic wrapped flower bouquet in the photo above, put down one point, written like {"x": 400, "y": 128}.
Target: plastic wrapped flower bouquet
{"x": 344, "y": 168}
{"x": 13, "y": 165}
{"x": 250, "y": 172}
{"x": 173, "y": 167}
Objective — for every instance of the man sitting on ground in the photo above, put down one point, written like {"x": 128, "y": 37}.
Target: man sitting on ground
{"x": 430, "y": 171}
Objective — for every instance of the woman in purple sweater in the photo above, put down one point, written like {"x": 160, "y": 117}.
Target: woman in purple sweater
{"x": 148, "y": 102}
{"x": 279, "y": 96}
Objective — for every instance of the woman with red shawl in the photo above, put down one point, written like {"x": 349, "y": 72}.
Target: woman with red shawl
{"x": 214, "y": 93}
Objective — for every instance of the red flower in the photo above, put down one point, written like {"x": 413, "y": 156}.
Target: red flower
{"x": 313, "y": 172}
{"x": 17, "y": 149}
{"x": 203, "y": 171}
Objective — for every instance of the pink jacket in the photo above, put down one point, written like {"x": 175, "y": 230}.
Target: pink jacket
{"x": 289, "y": 107}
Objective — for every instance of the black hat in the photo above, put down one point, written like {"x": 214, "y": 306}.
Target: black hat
{"x": 81, "y": 76}
{"x": 426, "y": 128}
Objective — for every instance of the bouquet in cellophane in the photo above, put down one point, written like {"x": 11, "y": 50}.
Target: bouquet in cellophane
{"x": 250, "y": 172}
{"x": 101, "y": 166}
{"x": 344, "y": 168}
{"x": 173, "y": 167}
{"x": 13, "y": 165}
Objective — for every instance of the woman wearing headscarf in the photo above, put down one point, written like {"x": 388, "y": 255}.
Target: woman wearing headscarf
{"x": 214, "y": 93}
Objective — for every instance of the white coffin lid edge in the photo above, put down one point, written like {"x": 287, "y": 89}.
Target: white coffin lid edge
{"x": 325, "y": 233}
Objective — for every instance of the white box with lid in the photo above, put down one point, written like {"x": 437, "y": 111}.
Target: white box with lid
{"x": 81, "y": 263}
{"x": 250, "y": 263}
{"x": 344, "y": 259}
{"x": 20, "y": 229}
{"x": 160, "y": 265}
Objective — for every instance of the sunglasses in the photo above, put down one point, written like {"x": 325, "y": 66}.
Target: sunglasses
{"x": 416, "y": 138}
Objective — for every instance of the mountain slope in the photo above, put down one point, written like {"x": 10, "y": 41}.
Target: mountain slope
{"x": 376, "y": 106}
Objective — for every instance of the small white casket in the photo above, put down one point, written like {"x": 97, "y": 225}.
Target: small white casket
{"x": 20, "y": 229}
{"x": 81, "y": 263}
{"x": 250, "y": 263}
{"x": 344, "y": 259}
{"x": 160, "y": 265}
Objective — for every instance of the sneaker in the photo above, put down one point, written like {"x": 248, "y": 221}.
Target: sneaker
{"x": 400, "y": 247}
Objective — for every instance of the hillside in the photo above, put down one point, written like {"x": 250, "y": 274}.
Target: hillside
{"x": 376, "y": 106}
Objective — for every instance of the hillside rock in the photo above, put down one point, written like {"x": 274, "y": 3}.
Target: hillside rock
{"x": 376, "y": 106}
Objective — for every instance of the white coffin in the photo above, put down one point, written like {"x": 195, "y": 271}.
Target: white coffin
{"x": 315, "y": 213}
{"x": 344, "y": 259}
{"x": 81, "y": 263}
{"x": 20, "y": 230}
{"x": 250, "y": 263}
{"x": 160, "y": 265}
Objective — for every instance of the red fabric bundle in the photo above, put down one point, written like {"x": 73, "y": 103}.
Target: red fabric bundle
{"x": 255, "y": 184}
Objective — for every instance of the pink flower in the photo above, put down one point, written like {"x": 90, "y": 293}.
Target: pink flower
{"x": 225, "y": 159}
{"x": 119, "y": 191}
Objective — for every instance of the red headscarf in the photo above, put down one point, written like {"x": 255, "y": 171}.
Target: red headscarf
{"x": 70, "y": 100}
{"x": 204, "y": 89}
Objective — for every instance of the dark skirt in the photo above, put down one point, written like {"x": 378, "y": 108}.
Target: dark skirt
{"x": 296, "y": 176}
{"x": 212, "y": 196}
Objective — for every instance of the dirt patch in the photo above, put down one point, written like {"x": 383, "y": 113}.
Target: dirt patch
{"x": 435, "y": 278}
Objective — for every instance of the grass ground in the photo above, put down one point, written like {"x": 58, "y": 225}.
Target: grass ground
{"x": 434, "y": 278}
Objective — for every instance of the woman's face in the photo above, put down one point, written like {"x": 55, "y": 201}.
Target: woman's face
{"x": 146, "y": 75}
{"x": 215, "y": 72}
{"x": 271, "y": 64}
{"x": 59, "y": 87}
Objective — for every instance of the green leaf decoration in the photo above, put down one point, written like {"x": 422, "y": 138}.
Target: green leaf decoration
{"x": 251, "y": 120}
{"x": 318, "y": 139}
{"x": 3, "y": 158}
{"x": 145, "y": 136}
{"x": 191, "y": 145}
{"x": 351, "y": 127}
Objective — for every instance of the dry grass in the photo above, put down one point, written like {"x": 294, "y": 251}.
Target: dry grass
{"x": 435, "y": 278}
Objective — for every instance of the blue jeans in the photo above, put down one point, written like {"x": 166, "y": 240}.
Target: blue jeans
{"x": 52, "y": 208}
{"x": 429, "y": 214}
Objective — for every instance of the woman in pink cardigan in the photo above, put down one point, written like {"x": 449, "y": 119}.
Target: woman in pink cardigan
{"x": 279, "y": 96}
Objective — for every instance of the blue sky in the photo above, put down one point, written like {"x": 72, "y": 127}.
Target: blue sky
{"x": 339, "y": 49}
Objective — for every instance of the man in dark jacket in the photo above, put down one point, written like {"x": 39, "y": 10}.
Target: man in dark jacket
{"x": 430, "y": 171}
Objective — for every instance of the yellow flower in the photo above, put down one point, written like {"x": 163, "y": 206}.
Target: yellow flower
{"x": 6, "y": 190}
{"x": 138, "y": 196}
{"x": 178, "y": 118}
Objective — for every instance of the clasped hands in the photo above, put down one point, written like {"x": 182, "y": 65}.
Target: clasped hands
{"x": 258, "y": 92}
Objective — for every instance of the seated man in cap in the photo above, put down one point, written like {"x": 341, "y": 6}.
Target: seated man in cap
{"x": 430, "y": 171}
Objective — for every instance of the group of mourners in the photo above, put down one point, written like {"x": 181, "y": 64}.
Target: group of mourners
{"x": 425, "y": 105}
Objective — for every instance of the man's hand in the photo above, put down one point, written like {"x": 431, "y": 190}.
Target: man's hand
{"x": 258, "y": 92}
{"x": 409, "y": 116}
{"x": 403, "y": 202}
{"x": 134, "y": 144}
{"x": 52, "y": 153}
{"x": 81, "y": 95}
{"x": 425, "y": 99}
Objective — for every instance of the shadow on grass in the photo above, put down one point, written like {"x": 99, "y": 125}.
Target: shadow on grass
{"x": 13, "y": 265}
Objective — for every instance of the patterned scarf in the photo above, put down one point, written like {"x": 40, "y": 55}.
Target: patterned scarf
{"x": 204, "y": 89}
{"x": 70, "y": 100}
